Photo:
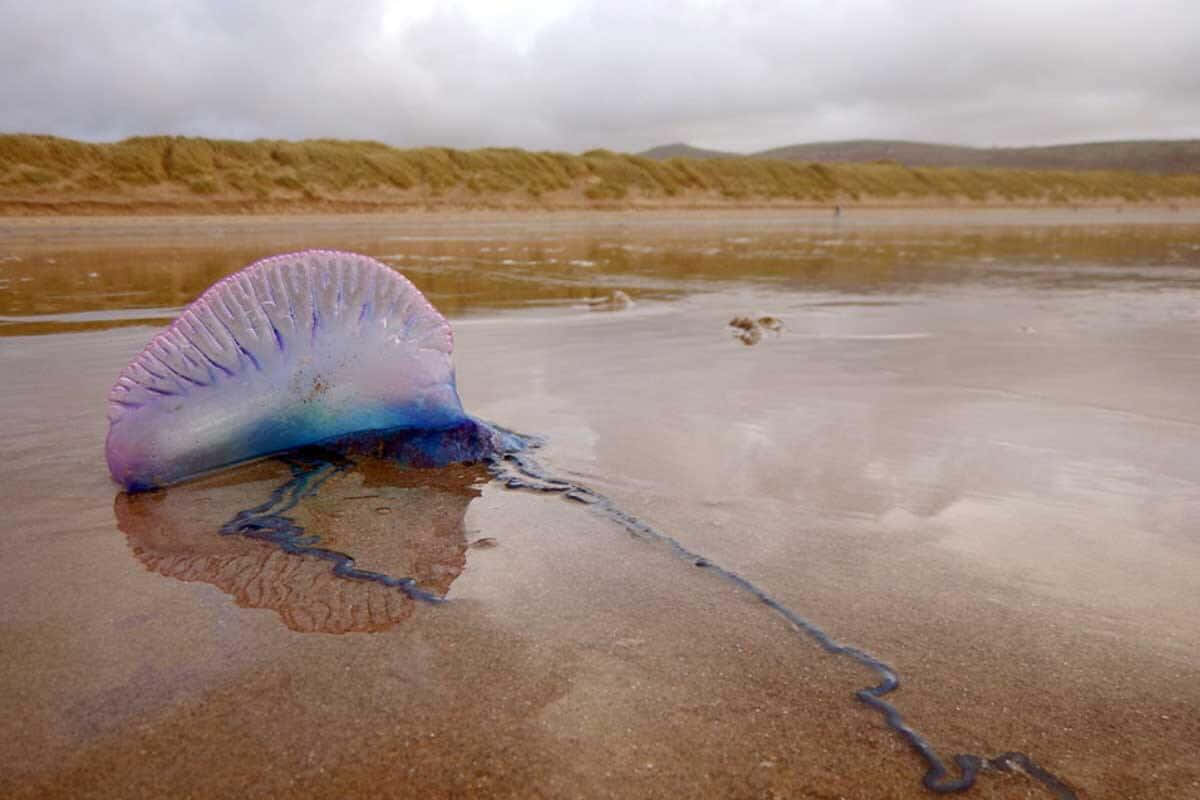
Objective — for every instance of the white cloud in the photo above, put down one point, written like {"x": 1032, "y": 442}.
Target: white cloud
{"x": 625, "y": 75}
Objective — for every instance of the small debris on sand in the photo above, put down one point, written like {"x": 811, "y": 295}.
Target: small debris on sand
{"x": 750, "y": 329}
{"x": 744, "y": 323}
{"x": 486, "y": 543}
{"x": 617, "y": 301}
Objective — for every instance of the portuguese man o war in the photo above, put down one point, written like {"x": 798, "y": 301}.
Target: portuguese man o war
{"x": 318, "y": 356}
{"x": 295, "y": 350}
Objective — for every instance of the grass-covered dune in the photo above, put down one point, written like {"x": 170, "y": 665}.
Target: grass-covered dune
{"x": 45, "y": 174}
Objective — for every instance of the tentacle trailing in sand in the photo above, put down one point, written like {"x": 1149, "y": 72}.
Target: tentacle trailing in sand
{"x": 268, "y": 522}
{"x": 338, "y": 350}
{"x": 521, "y": 471}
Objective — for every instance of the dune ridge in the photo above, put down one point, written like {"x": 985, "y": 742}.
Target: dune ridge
{"x": 164, "y": 174}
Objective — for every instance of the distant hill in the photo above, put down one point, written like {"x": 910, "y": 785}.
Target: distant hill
{"x": 1137, "y": 156}
{"x": 681, "y": 150}
{"x": 1163, "y": 157}
{"x": 910, "y": 154}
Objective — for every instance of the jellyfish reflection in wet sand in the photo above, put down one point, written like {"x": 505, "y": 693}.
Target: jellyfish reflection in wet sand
{"x": 401, "y": 519}
{"x": 340, "y": 367}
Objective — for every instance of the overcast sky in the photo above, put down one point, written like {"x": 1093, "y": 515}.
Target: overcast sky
{"x": 628, "y": 74}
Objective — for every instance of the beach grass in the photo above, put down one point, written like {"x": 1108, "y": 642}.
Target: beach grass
{"x": 186, "y": 173}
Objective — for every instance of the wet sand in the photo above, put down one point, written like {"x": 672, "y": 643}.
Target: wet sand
{"x": 969, "y": 457}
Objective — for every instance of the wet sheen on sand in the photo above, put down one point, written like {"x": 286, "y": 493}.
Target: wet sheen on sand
{"x": 970, "y": 451}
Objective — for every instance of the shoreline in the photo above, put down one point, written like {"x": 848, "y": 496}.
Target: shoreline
{"x": 848, "y": 213}
{"x": 87, "y": 229}
{"x": 21, "y": 209}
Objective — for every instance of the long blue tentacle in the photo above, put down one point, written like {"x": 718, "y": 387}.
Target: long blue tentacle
{"x": 521, "y": 471}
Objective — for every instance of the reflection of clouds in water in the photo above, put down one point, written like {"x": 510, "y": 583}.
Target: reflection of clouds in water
{"x": 390, "y": 520}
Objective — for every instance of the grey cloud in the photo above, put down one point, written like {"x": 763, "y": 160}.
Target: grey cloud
{"x": 623, "y": 75}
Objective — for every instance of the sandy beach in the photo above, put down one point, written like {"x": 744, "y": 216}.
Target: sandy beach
{"x": 970, "y": 451}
